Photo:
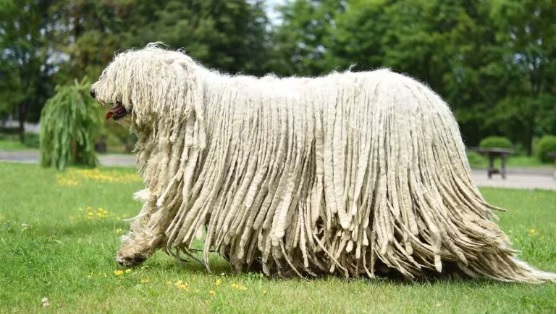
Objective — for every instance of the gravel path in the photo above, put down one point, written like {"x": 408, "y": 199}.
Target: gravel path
{"x": 520, "y": 178}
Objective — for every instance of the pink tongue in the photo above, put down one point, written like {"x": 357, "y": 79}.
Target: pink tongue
{"x": 116, "y": 112}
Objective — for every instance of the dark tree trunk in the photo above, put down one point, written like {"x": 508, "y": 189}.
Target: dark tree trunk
{"x": 73, "y": 157}
{"x": 529, "y": 143}
{"x": 530, "y": 131}
{"x": 22, "y": 117}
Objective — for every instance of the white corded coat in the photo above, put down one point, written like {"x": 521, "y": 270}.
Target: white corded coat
{"x": 336, "y": 174}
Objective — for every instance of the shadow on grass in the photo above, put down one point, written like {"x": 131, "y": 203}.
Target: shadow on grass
{"x": 219, "y": 266}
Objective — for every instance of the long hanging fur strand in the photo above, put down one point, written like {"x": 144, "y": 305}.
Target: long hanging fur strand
{"x": 349, "y": 173}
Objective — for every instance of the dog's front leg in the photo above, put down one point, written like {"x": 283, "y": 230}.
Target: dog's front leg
{"x": 146, "y": 235}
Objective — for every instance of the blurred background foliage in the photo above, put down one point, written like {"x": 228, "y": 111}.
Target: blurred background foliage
{"x": 69, "y": 126}
{"x": 492, "y": 61}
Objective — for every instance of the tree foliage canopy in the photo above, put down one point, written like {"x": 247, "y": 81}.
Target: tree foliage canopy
{"x": 24, "y": 70}
{"x": 493, "y": 61}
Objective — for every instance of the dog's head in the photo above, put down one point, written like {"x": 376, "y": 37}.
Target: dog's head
{"x": 140, "y": 86}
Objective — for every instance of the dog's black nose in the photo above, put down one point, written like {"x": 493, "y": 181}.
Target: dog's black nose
{"x": 92, "y": 92}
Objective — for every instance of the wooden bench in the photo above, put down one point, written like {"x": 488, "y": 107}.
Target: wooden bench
{"x": 492, "y": 154}
{"x": 100, "y": 145}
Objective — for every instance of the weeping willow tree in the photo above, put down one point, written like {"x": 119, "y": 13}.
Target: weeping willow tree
{"x": 69, "y": 122}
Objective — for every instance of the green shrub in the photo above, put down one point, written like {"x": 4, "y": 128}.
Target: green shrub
{"x": 476, "y": 160}
{"x": 545, "y": 146}
{"x": 496, "y": 142}
{"x": 32, "y": 140}
{"x": 113, "y": 140}
{"x": 5, "y": 137}
{"x": 69, "y": 123}
{"x": 12, "y": 131}
{"x": 13, "y": 142}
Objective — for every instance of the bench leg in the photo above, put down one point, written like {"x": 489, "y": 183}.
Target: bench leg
{"x": 503, "y": 167}
{"x": 490, "y": 169}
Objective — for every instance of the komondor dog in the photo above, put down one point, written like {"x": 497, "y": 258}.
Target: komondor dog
{"x": 349, "y": 173}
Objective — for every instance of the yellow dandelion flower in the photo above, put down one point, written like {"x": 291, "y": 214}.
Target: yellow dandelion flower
{"x": 129, "y": 270}
{"x": 237, "y": 286}
{"x": 218, "y": 282}
{"x": 212, "y": 293}
{"x": 180, "y": 284}
{"x": 118, "y": 272}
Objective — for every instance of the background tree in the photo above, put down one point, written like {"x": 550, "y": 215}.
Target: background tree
{"x": 86, "y": 34}
{"x": 493, "y": 61}
{"x": 229, "y": 36}
{"x": 24, "y": 68}
{"x": 302, "y": 40}
{"x": 489, "y": 60}
{"x": 69, "y": 123}
{"x": 526, "y": 37}
{"x": 434, "y": 41}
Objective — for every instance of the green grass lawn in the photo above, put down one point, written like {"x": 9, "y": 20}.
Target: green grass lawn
{"x": 9, "y": 145}
{"x": 514, "y": 161}
{"x": 11, "y": 142}
{"x": 59, "y": 233}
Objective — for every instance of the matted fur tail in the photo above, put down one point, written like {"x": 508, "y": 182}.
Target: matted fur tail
{"x": 509, "y": 269}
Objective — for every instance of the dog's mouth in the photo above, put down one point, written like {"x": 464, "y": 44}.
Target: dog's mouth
{"x": 117, "y": 112}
